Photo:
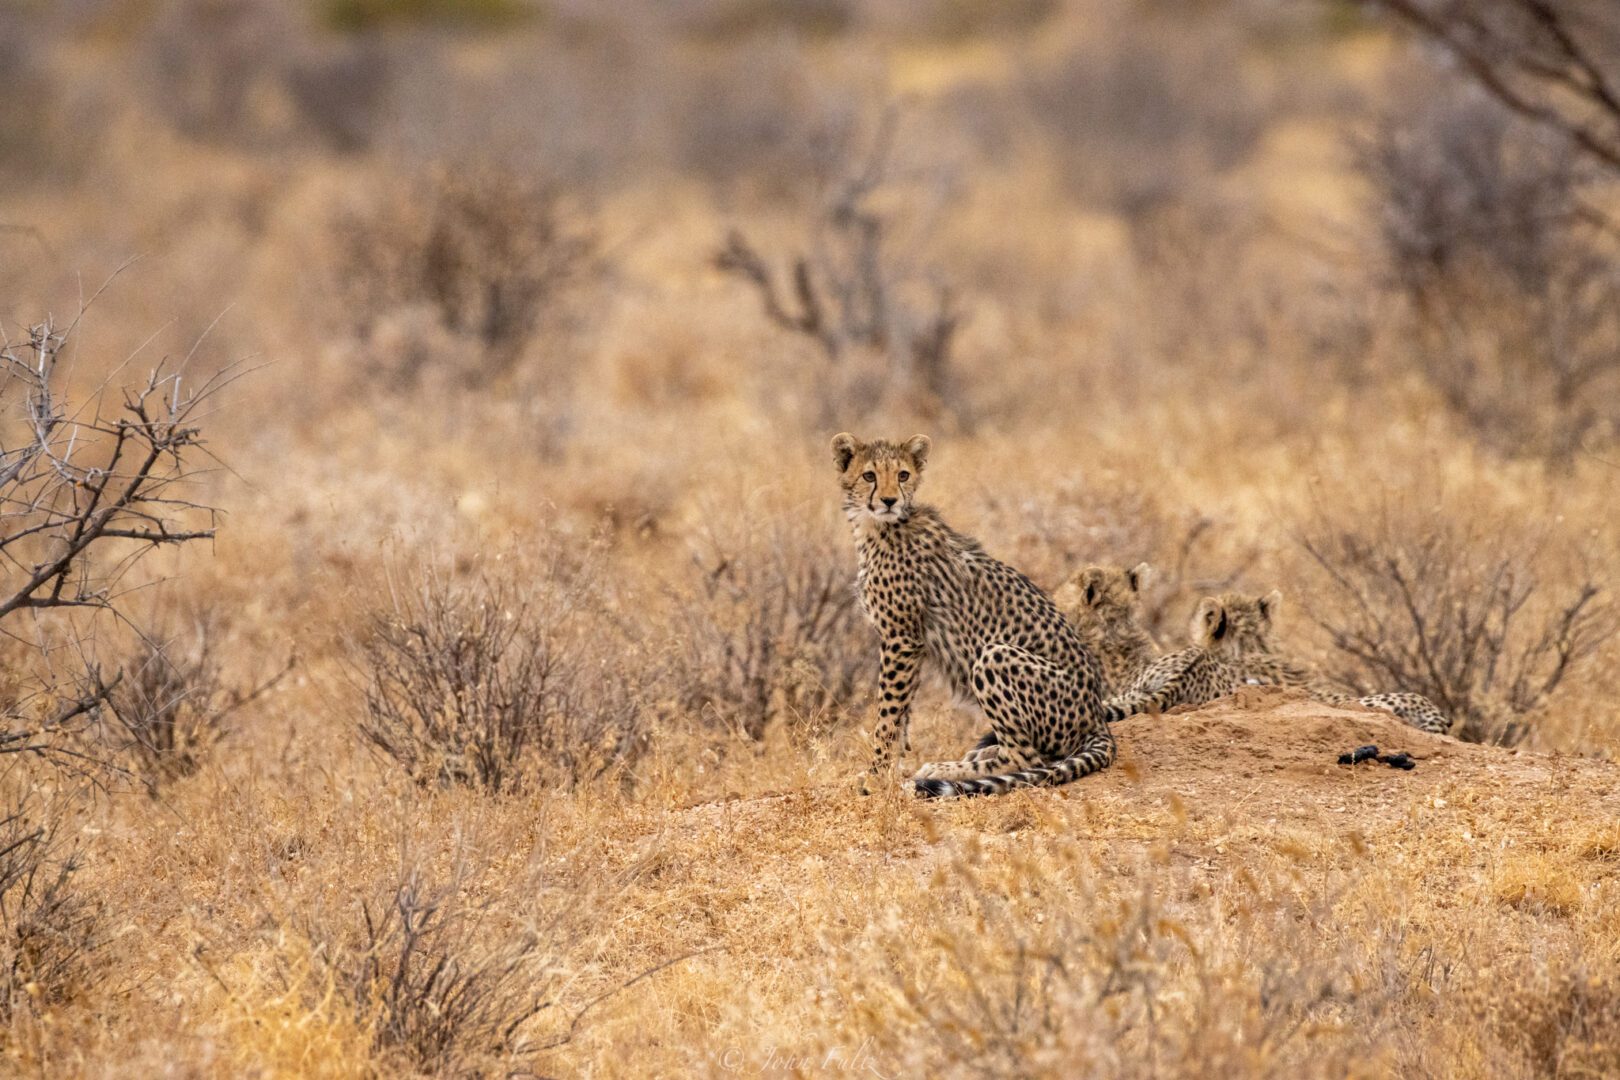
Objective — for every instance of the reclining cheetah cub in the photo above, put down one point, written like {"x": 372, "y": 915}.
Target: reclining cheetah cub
{"x": 1103, "y": 604}
{"x": 935, "y": 595}
{"x": 1249, "y": 643}
{"x": 1201, "y": 672}
{"x": 1232, "y": 647}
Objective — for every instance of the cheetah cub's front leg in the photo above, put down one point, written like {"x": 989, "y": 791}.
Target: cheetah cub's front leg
{"x": 984, "y": 752}
{"x": 897, "y": 681}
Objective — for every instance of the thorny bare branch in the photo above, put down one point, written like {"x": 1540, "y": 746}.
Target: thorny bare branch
{"x": 85, "y": 493}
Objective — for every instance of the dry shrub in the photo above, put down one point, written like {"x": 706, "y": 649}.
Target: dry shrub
{"x": 463, "y": 269}
{"x": 87, "y": 490}
{"x": 759, "y": 123}
{"x": 432, "y": 991}
{"x": 254, "y": 73}
{"x": 45, "y": 135}
{"x": 497, "y": 684}
{"x": 451, "y": 977}
{"x": 576, "y": 105}
{"x": 443, "y": 978}
{"x": 882, "y": 322}
{"x": 770, "y": 630}
{"x": 21, "y": 45}
{"x": 1480, "y": 615}
{"x": 1490, "y": 236}
{"x": 1549, "y": 61}
{"x": 341, "y": 90}
{"x": 209, "y": 61}
{"x": 173, "y": 700}
{"x": 50, "y": 932}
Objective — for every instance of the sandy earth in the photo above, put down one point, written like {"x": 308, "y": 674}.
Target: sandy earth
{"x": 1270, "y": 754}
{"x": 1477, "y": 860}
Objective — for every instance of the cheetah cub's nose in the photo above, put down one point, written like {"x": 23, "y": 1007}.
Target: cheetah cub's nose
{"x": 889, "y": 502}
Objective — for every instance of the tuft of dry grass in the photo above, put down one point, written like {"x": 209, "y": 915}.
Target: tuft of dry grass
{"x": 51, "y": 930}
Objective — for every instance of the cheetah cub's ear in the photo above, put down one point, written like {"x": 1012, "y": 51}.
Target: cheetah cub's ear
{"x": 1137, "y": 576}
{"x": 918, "y": 446}
{"x": 844, "y": 447}
{"x": 1208, "y": 622}
{"x": 1270, "y": 604}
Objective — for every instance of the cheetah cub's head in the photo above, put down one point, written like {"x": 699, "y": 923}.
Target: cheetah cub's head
{"x": 880, "y": 478}
{"x": 1104, "y": 595}
{"x": 1235, "y": 623}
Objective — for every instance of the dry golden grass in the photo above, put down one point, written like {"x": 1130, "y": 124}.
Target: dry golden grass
{"x": 1224, "y": 901}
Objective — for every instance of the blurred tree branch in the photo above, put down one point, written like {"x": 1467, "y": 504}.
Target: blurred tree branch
{"x": 1544, "y": 59}
{"x": 852, "y": 291}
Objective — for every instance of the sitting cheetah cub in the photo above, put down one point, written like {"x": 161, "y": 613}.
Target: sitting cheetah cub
{"x": 935, "y": 596}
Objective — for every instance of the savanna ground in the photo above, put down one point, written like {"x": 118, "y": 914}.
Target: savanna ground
{"x": 507, "y": 723}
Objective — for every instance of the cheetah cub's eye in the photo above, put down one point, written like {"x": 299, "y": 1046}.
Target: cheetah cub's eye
{"x": 904, "y": 476}
{"x": 869, "y": 476}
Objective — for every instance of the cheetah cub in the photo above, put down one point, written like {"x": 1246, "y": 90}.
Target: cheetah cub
{"x": 1103, "y": 604}
{"x": 935, "y": 596}
{"x": 1232, "y": 646}
{"x": 1248, "y": 644}
{"x": 1202, "y": 672}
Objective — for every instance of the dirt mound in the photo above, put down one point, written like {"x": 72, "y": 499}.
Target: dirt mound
{"x": 1265, "y": 755}
{"x": 1272, "y": 754}
{"x": 1264, "y": 731}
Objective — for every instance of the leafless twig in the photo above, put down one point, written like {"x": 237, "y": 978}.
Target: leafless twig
{"x": 85, "y": 492}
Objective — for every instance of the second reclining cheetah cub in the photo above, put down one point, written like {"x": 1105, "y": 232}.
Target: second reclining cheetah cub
{"x": 1250, "y": 647}
{"x": 1197, "y": 674}
{"x": 1231, "y": 647}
